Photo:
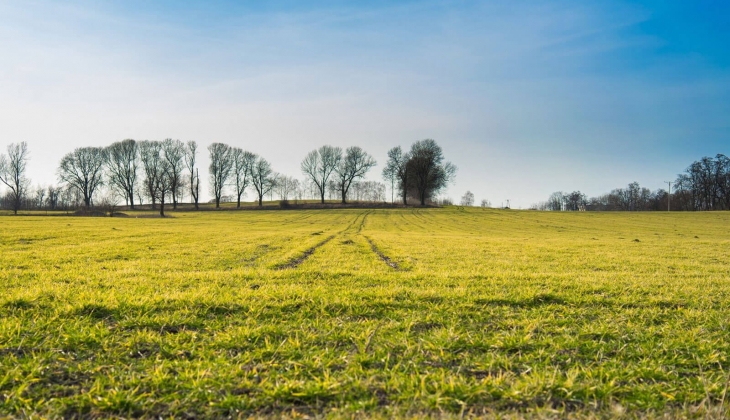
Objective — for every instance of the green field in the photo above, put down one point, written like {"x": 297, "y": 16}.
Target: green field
{"x": 401, "y": 312}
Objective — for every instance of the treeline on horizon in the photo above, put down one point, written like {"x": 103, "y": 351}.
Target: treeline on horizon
{"x": 704, "y": 185}
{"x": 165, "y": 172}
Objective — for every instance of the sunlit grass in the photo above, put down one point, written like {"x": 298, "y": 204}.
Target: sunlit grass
{"x": 218, "y": 314}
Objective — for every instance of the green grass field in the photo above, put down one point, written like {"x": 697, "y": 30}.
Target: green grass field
{"x": 435, "y": 312}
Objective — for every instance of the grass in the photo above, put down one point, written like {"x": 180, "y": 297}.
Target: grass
{"x": 402, "y": 312}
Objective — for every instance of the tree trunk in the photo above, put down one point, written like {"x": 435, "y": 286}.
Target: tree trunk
{"x": 261, "y": 200}
{"x": 322, "y": 195}
{"x": 131, "y": 200}
{"x": 162, "y": 208}
{"x": 217, "y": 202}
{"x": 344, "y": 195}
{"x": 239, "y": 201}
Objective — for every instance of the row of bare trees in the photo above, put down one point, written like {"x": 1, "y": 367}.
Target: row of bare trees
{"x": 328, "y": 162}
{"x": 131, "y": 169}
{"x": 705, "y": 185}
{"x": 163, "y": 172}
{"x": 633, "y": 197}
{"x": 233, "y": 165}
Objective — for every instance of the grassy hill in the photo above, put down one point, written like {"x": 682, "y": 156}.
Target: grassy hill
{"x": 388, "y": 312}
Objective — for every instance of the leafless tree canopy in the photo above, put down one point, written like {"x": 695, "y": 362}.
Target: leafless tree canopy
{"x": 243, "y": 162}
{"x": 286, "y": 187}
{"x": 221, "y": 165}
{"x": 191, "y": 152}
{"x": 320, "y": 164}
{"x": 367, "y": 191}
{"x": 396, "y": 171}
{"x": 467, "y": 199}
{"x": 121, "y": 167}
{"x": 13, "y": 172}
{"x": 82, "y": 170}
{"x": 262, "y": 177}
{"x": 705, "y": 185}
{"x": 427, "y": 169}
{"x": 159, "y": 174}
{"x": 152, "y": 160}
{"x": 164, "y": 184}
{"x": 174, "y": 151}
{"x": 354, "y": 165}
{"x": 53, "y": 196}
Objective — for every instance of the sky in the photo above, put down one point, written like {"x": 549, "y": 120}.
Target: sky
{"x": 525, "y": 97}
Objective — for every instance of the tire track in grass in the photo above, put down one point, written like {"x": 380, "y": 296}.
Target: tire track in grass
{"x": 296, "y": 261}
{"x": 386, "y": 259}
{"x": 394, "y": 265}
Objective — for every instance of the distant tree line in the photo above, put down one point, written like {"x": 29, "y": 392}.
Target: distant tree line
{"x": 704, "y": 185}
{"x": 161, "y": 173}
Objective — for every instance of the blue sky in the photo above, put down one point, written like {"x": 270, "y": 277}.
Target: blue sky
{"x": 525, "y": 97}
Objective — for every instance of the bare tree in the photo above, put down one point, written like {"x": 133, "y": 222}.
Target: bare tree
{"x": 159, "y": 173}
{"x": 191, "y": 152}
{"x": 286, "y": 186}
{"x": 368, "y": 191}
{"x": 555, "y": 201}
{"x": 355, "y": 165}
{"x": 53, "y": 196}
{"x": 82, "y": 170}
{"x": 220, "y": 168}
{"x": 175, "y": 157}
{"x": 109, "y": 201}
{"x": 320, "y": 164}
{"x": 576, "y": 200}
{"x": 262, "y": 177}
{"x": 121, "y": 167}
{"x": 150, "y": 153}
{"x": 243, "y": 162}
{"x": 486, "y": 203}
{"x": 13, "y": 169}
{"x": 332, "y": 189}
{"x": 427, "y": 169}
{"x": 164, "y": 183}
{"x": 40, "y": 196}
{"x": 396, "y": 170}
{"x": 467, "y": 199}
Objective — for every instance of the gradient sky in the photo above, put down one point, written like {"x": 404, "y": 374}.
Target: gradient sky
{"x": 525, "y": 97}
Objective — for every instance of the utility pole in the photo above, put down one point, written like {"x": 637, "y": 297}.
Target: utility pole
{"x": 669, "y": 195}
